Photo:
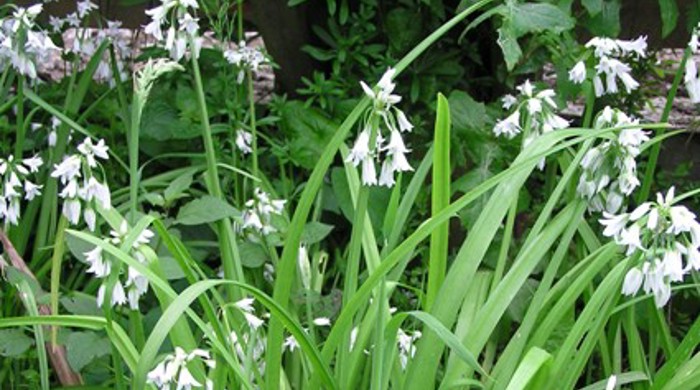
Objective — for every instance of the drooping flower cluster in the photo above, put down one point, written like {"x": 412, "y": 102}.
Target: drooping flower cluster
{"x": 245, "y": 58}
{"x": 15, "y": 186}
{"x": 22, "y": 44}
{"x": 610, "y": 169}
{"x": 692, "y": 79}
{"x": 178, "y": 18}
{"x": 608, "y": 62}
{"x": 534, "y": 113}
{"x": 90, "y": 192}
{"x": 258, "y": 213}
{"x": 101, "y": 266}
{"x": 667, "y": 237}
{"x": 172, "y": 370}
{"x": 371, "y": 145}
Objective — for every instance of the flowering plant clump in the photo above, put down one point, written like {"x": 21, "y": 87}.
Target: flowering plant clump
{"x": 534, "y": 114}
{"x": 15, "y": 185}
{"x": 245, "y": 59}
{"x": 608, "y": 62}
{"x": 610, "y": 169}
{"x": 91, "y": 191}
{"x": 177, "y": 17}
{"x": 663, "y": 235}
{"x": 370, "y": 146}
{"x": 23, "y": 45}
{"x": 102, "y": 267}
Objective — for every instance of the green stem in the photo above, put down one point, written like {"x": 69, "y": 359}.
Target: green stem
{"x": 19, "y": 142}
{"x": 505, "y": 244}
{"x": 56, "y": 260}
{"x": 133, "y": 140}
{"x": 656, "y": 149}
{"x": 253, "y": 127}
{"x": 229, "y": 250}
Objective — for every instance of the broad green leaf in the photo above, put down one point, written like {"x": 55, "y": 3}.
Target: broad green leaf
{"x": 206, "y": 209}
{"x": 252, "y": 254}
{"x": 315, "y": 232}
{"x": 13, "y": 342}
{"x": 538, "y": 17}
{"x": 607, "y": 21}
{"x": 81, "y": 304}
{"x": 84, "y": 347}
{"x": 466, "y": 113}
{"x": 669, "y": 16}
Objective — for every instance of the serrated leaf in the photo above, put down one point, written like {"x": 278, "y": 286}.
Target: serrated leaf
{"x": 669, "y": 16}
{"x": 206, "y": 209}
{"x": 177, "y": 187}
{"x": 509, "y": 45}
{"x": 84, "y": 347}
{"x": 13, "y": 342}
{"x": 315, "y": 232}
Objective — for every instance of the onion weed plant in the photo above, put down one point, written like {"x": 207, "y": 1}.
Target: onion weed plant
{"x": 218, "y": 270}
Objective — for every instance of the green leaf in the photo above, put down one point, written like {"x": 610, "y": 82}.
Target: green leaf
{"x": 466, "y": 113}
{"x": 401, "y": 29}
{"x": 308, "y": 130}
{"x": 176, "y": 188}
{"x": 315, "y": 232}
{"x": 13, "y": 342}
{"x": 607, "y": 21}
{"x": 669, "y": 16}
{"x": 206, "y": 209}
{"x": 592, "y": 6}
{"x": 84, "y": 347}
{"x": 252, "y": 254}
{"x": 535, "y": 361}
{"x": 538, "y": 17}
{"x": 508, "y": 42}
{"x": 81, "y": 304}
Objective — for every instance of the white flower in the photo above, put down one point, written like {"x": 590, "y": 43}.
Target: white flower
{"x": 404, "y": 124}
{"x": 90, "y": 151}
{"x": 68, "y": 169}
{"x": 33, "y": 163}
{"x": 369, "y": 172}
{"x": 508, "y": 101}
{"x": 509, "y": 127}
{"x": 246, "y": 305}
{"x": 90, "y": 218}
{"x": 31, "y": 190}
{"x": 71, "y": 210}
{"x": 360, "y": 150}
{"x": 610, "y": 384}
{"x": 578, "y": 73}
{"x": 290, "y": 344}
{"x": 322, "y": 321}
{"x": 244, "y": 140}
{"x": 85, "y": 7}
{"x": 633, "y": 281}
{"x": 253, "y": 321}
